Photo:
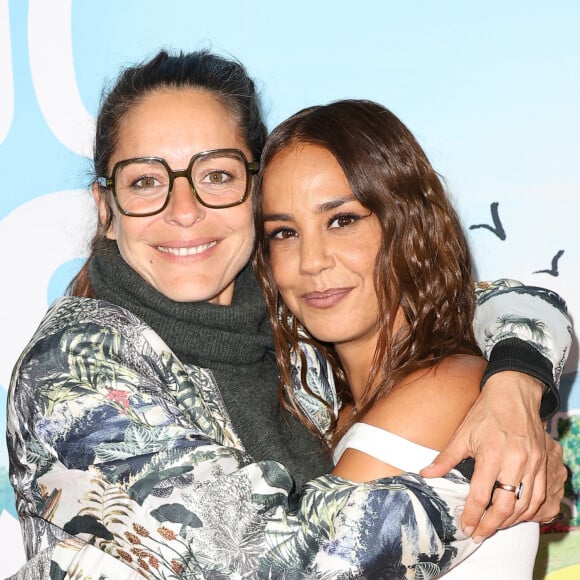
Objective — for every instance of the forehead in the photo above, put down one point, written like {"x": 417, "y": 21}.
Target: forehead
{"x": 303, "y": 170}
{"x": 304, "y": 154}
{"x": 166, "y": 102}
{"x": 174, "y": 122}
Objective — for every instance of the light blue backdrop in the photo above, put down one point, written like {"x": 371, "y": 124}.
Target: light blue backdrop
{"x": 490, "y": 89}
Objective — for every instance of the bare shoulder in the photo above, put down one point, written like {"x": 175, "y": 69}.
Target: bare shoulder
{"x": 428, "y": 406}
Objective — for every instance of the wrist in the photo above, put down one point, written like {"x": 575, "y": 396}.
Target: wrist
{"x": 514, "y": 354}
{"x": 514, "y": 384}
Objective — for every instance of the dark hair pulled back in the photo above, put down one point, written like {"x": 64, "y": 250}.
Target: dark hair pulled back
{"x": 226, "y": 79}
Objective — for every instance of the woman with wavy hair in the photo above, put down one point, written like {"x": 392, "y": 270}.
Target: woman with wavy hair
{"x": 362, "y": 256}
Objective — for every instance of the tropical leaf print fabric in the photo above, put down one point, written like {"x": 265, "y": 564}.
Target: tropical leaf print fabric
{"x": 125, "y": 465}
{"x": 116, "y": 445}
{"x": 550, "y": 332}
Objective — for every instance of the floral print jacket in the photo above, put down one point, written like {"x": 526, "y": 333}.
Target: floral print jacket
{"x": 125, "y": 465}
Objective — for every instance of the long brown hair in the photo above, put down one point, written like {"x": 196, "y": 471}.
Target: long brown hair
{"x": 422, "y": 267}
{"x": 225, "y": 79}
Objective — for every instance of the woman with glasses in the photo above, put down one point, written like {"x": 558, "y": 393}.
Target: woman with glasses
{"x": 144, "y": 428}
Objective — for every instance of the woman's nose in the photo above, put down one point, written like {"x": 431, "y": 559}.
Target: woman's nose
{"x": 184, "y": 208}
{"x": 315, "y": 255}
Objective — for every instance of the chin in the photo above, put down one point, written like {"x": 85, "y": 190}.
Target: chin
{"x": 333, "y": 333}
{"x": 323, "y": 335}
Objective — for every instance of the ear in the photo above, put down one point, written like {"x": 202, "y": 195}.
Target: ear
{"x": 106, "y": 214}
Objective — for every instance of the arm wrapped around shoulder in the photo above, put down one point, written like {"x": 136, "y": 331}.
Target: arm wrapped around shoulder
{"x": 389, "y": 528}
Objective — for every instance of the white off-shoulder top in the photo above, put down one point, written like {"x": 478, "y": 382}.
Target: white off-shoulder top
{"x": 508, "y": 555}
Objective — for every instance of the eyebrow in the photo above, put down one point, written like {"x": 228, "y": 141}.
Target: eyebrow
{"x": 320, "y": 209}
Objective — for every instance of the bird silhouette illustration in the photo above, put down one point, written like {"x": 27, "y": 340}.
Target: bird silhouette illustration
{"x": 553, "y": 271}
{"x": 497, "y": 227}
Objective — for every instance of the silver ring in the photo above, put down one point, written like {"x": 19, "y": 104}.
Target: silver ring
{"x": 517, "y": 489}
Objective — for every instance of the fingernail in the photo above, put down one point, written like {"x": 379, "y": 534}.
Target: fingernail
{"x": 468, "y": 530}
{"x": 477, "y": 539}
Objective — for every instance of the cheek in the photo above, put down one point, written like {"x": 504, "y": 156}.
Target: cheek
{"x": 277, "y": 271}
{"x": 129, "y": 232}
{"x": 366, "y": 255}
{"x": 123, "y": 228}
{"x": 281, "y": 267}
{"x": 244, "y": 225}
{"x": 287, "y": 279}
{"x": 239, "y": 217}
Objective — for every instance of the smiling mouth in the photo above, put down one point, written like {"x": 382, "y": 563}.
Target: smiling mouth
{"x": 326, "y": 299}
{"x": 191, "y": 251}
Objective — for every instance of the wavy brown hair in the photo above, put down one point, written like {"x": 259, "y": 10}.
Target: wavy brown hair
{"x": 422, "y": 267}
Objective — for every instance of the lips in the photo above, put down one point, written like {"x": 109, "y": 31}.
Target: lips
{"x": 326, "y": 299}
{"x": 184, "y": 251}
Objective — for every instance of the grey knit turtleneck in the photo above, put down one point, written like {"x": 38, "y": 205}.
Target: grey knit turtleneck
{"x": 235, "y": 343}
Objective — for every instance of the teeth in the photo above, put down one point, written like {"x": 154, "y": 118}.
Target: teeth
{"x": 187, "y": 251}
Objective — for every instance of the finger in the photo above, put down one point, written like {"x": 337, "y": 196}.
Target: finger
{"x": 453, "y": 454}
{"x": 551, "y": 508}
{"x": 502, "y": 507}
{"x": 523, "y": 466}
{"x": 557, "y": 474}
{"x": 532, "y": 497}
{"x": 484, "y": 476}
{"x": 534, "y": 489}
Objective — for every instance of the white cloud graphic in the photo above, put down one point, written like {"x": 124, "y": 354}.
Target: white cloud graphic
{"x": 36, "y": 238}
{"x": 53, "y": 75}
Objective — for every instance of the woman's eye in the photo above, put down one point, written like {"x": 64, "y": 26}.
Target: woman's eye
{"x": 343, "y": 220}
{"x": 217, "y": 177}
{"x": 281, "y": 234}
{"x": 146, "y": 182}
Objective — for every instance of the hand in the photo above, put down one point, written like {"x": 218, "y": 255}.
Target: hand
{"x": 505, "y": 435}
{"x": 557, "y": 475}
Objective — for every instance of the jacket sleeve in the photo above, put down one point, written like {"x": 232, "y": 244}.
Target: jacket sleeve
{"x": 526, "y": 329}
{"x": 115, "y": 446}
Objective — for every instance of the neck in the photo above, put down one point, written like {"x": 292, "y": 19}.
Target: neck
{"x": 356, "y": 359}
